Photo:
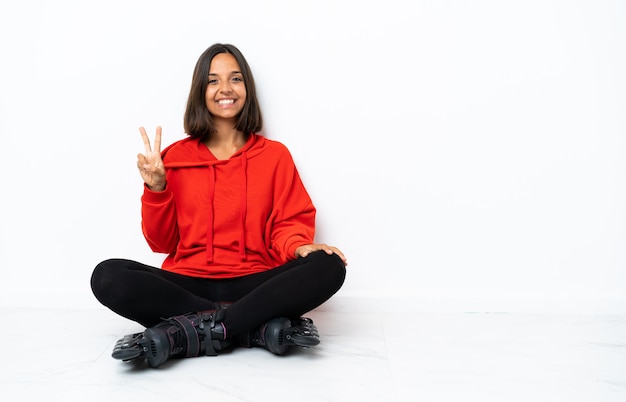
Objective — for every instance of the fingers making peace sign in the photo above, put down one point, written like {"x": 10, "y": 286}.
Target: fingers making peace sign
{"x": 150, "y": 164}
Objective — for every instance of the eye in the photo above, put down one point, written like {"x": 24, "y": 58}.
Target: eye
{"x": 212, "y": 81}
{"x": 237, "y": 79}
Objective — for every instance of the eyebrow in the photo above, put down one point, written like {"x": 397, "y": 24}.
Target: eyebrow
{"x": 231, "y": 73}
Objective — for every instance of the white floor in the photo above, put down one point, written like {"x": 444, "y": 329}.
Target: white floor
{"x": 64, "y": 355}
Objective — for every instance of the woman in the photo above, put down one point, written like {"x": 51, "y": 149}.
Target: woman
{"x": 229, "y": 209}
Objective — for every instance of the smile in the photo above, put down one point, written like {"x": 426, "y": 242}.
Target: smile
{"x": 225, "y": 102}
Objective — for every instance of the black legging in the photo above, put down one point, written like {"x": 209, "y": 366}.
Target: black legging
{"x": 147, "y": 294}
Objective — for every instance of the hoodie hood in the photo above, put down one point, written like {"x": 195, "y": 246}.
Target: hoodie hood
{"x": 192, "y": 152}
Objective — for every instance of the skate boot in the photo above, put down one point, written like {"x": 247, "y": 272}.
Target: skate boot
{"x": 188, "y": 335}
{"x": 279, "y": 334}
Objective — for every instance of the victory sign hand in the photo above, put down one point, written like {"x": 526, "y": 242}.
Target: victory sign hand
{"x": 150, "y": 164}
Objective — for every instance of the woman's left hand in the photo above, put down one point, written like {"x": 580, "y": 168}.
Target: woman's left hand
{"x": 305, "y": 250}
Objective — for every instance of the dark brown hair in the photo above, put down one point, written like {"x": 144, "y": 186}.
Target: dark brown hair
{"x": 198, "y": 122}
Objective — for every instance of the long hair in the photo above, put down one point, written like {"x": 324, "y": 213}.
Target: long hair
{"x": 198, "y": 122}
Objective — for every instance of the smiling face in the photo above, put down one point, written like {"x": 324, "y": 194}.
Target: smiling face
{"x": 226, "y": 91}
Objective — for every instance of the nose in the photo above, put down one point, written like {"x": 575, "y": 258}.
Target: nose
{"x": 225, "y": 87}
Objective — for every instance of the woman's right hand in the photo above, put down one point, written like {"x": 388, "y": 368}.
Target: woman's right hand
{"x": 151, "y": 165}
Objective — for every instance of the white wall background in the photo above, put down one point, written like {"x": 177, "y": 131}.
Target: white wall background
{"x": 467, "y": 155}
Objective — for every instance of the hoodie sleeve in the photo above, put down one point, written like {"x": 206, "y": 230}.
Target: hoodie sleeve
{"x": 293, "y": 215}
{"x": 158, "y": 220}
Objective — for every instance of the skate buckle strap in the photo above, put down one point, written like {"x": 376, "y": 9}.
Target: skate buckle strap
{"x": 193, "y": 342}
{"x": 205, "y": 322}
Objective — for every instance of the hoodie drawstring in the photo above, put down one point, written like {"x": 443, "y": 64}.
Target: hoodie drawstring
{"x": 244, "y": 205}
{"x": 209, "y": 233}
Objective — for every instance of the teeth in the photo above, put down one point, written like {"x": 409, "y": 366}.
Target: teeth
{"x": 226, "y": 101}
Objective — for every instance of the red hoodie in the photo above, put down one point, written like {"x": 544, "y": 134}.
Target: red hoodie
{"x": 228, "y": 218}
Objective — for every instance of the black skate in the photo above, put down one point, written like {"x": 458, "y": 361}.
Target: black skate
{"x": 280, "y": 333}
{"x": 187, "y": 335}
